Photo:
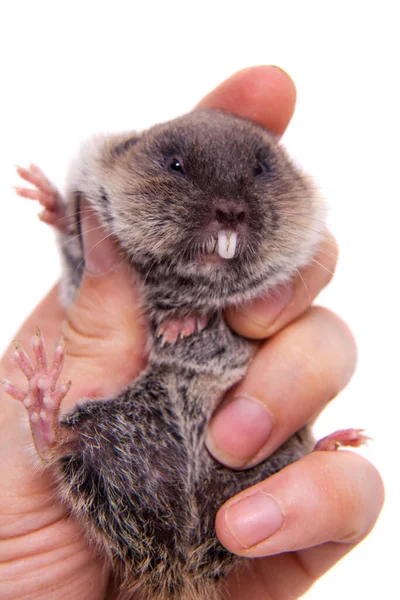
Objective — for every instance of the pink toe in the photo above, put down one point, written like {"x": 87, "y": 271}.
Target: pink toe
{"x": 39, "y": 351}
{"x": 342, "y": 437}
{"x": 171, "y": 333}
{"x": 188, "y": 327}
{"x": 23, "y": 361}
{"x": 13, "y": 391}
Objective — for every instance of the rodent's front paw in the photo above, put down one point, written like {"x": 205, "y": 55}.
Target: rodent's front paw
{"x": 173, "y": 329}
{"x": 44, "y": 395}
{"x": 45, "y": 193}
{"x": 342, "y": 437}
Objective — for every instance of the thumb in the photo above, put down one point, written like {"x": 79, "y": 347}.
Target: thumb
{"x": 104, "y": 329}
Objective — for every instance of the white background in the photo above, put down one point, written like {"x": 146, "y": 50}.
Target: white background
{"x": 69, "y": 69}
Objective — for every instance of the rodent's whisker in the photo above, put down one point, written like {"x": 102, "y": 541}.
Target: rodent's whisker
{"x": 306, "y": 217}
{"x": 314, "y": 260}
{"x": 74, "y": 214}
{"x": 305, "y": 285}
{"x": 318, "y": 246}
{"x": 321, "y": 250}
{"x": 82, "y": 262}
{"x": 302, "y": 226}
{"x": 74, "y": 237}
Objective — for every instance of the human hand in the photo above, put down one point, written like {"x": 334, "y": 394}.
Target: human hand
{"x": 305, "y": 518}
{"x": 301, "y": 521}
{"x": 44, "y": 553}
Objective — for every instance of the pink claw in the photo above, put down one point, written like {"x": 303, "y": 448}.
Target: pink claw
{"x": 45, "y": 193}
{"x": 173, "y": 329}
{"x": 44, "y": 395}
{"x": 342, "y": 437}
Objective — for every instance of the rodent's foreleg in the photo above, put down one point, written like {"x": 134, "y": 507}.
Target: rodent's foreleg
{"x": 342, "y": 437}
{"x": 172, "y": 329}
{"x": 46, "y": 194}
{"x": 43, "y": 397}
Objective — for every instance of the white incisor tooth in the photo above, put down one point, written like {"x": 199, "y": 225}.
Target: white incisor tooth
{"x": 227, "y": 241}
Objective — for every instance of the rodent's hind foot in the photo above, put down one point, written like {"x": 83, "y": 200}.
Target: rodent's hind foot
{"x": 171, "y": 330}
{"x": 44, "y": 395}
{"x": 45, "y": 193}
{"x": 342, "y": 437}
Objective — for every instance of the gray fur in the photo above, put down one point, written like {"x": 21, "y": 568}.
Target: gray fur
{"x": 139, "y": 476}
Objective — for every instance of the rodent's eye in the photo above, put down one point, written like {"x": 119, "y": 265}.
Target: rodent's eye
{"x": 260, "y": 168}
{"x": 176, "y": 165}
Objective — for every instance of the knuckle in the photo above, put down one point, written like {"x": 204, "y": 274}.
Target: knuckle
{"x": 327, "y": 258}
{"x": 362, "y": 497}
{"x": 339, "y": 331}
{"x": 330, "y": 366}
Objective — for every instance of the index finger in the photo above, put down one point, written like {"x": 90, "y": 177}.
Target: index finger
{"x": 267, "y": 95}
{"x": 263, "y": 94}
{"x": 321, "y": 506}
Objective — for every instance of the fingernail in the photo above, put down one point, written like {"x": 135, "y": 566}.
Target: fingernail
{"x": 101, "y": 254}
{"x": 265, "y": 309}
{"x": 240, "y": 428}
{"x": 280, "y": 69}
{"x": 254, "y": 519}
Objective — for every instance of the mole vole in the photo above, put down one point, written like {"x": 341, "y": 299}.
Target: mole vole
{"x": 211, "y": 212}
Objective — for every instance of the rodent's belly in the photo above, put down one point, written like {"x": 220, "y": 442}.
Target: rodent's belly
{"x": 141, "y": 476}
{"x": 138, "y": 475}
{"x": 150, "y": 439}
{"x": 216, "y": 351}
{"x": 146, "y": 486}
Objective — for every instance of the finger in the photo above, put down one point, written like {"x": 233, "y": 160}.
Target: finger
{"x": 264, "y": 316}
{"x": 291, "y": 379}
{"x": 264, "y": 94}
{"x": 103, "y": 328}
{"x": 325, "y": 497}
{"x": 100, "y": 252}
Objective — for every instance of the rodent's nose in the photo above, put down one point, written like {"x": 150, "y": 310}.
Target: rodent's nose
{"x": 229, "y": 212}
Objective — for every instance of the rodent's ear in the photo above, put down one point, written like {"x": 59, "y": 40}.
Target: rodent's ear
{"x": 125, "y": 145}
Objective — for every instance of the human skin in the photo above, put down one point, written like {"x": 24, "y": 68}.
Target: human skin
{"x": 322, "y": 505}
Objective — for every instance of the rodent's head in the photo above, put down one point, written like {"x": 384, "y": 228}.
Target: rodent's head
{"x": 209, "y": 198}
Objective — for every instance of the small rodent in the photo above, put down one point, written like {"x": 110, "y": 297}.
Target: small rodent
{"x": 211, "y": 212}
